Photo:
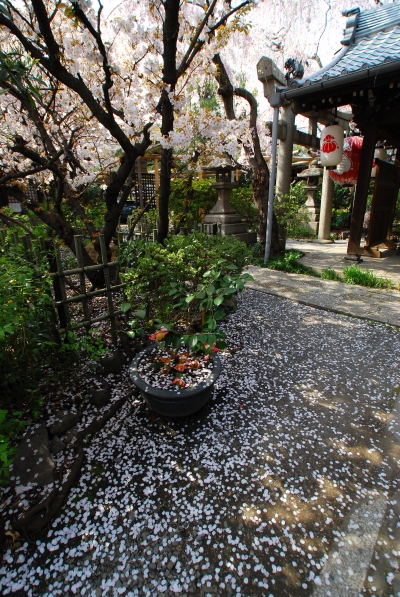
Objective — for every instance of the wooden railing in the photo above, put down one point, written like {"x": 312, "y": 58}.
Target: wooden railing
{"x": 62, "y": 298}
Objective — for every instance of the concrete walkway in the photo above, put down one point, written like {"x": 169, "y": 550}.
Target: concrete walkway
{"x": 357, "y": 301}
{"x": 320, "y": 257}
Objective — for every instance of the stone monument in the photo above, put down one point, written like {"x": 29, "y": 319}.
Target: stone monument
{"x": 313, "y": 176}
{"x": 223, "y": 213}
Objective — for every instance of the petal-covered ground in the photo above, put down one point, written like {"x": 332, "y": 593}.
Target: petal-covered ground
{"x": 261, "y": 494}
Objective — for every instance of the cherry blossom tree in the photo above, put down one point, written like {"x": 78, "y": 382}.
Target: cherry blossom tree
{"x": 85, "y": 94}
{"x": 92, "y": 88}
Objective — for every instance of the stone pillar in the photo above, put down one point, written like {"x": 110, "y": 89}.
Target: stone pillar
{"x": 284, "y": 169}
{"x": 325, "y": 216}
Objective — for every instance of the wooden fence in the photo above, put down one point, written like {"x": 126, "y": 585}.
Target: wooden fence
{"x": 59, "y": 275}
{"x": 61, "y": 298}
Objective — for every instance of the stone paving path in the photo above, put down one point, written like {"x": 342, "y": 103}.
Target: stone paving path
{"x": 356, "y": 301}
{"x": 272, "y": 490}
{"x": 320, "y": 257}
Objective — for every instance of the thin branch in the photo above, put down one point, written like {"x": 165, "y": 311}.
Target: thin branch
{"x": 46, "y": 166}
{"x": 9, "y": 221}
{"x": 196, "y": 36}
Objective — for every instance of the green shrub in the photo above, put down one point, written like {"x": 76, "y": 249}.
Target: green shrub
{"x": 12, "y": 425}
{"x": 182, "y": 260}
{"x": 242, "y": 200}
{"x": 25, "y": 323}
{"x": 342, "y": 197}
{"x": 292, "y": 214}
{"x": 288, "y": 262}
{"x": 204, "y": 197}
{"x": 340, "y": 219}
{"x": 330, "y": 274}
{"x": 353, "y": 274}
{"x": 26, "y": 341}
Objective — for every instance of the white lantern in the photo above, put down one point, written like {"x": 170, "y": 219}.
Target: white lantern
{"x": 331, "y": 146}
{"x": 381, "y": 154}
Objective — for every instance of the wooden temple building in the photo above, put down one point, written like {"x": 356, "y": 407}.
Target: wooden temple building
{"x": 365, "y": 75}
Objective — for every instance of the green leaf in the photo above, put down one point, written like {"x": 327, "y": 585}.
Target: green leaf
{"x": 219, "y": 314}
{"x": 189, "y": 298}
{"x": 125, "y": 307}
{"x": 141, "y": 313}
{"x": 202, "y": 338}
{"x": 210, "y": 290}
{"x": 231, "y": 267}
{"x": 211, "y": 338}
{"x": 221, "y": 344}
{"x": 192, "y": 342}
{"x": 201, "y": 295}
{"x": 176, "y": 340}
{"x": 211, "y": 325}
{"x": 218, "y": 300}
{"x": 247, "y": 277}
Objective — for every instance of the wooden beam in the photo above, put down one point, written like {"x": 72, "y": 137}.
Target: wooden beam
{"x": 361, "y": 194}
{"x": 156, "y": 174}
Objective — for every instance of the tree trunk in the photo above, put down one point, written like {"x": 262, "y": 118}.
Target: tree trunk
{"x": 166, "y": 109}
{"x": 66, "y": 233}
{"x": 258, "y": 164}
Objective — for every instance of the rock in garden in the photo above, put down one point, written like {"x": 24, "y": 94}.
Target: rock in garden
{"x": 100, "y": 394}
{"x": 64, "y": 420}
{"x": 57, "y": 445}
{"x": 33, "y": 463}
{"x": 112, "y": 362}
{"x": 70, "y": 437}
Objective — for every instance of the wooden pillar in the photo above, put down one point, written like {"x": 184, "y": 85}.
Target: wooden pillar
{"x": 363, "y": 180}
{"x": 156, "y": 174}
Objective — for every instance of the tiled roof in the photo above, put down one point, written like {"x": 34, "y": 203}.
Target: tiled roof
{"x": 377, "y": 19}
{"x": 374, "y": 40}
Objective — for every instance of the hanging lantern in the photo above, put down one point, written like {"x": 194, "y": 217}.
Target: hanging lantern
{"x": 381, "y": 154}
{"x": 331, "y": 145}
{"x": 347, "y": 171}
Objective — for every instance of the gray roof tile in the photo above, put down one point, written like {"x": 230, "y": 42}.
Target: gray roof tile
{"x": 376, "y": 41}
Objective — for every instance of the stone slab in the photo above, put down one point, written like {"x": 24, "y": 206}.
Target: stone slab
{"x": 33, "y": 463}
{"x": 228, "y": 229}
{"x": 357, "y": 301}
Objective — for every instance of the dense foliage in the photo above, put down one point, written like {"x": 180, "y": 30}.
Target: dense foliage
{"x": 183, "y": 260}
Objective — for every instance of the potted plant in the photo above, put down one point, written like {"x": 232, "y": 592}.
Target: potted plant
{"x": 176, "y": 380}
{"x": 176, "y": 373}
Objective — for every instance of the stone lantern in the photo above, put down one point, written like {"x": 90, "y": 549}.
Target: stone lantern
{"x": 223, "y": 213}
{"x": 313, "y": 176}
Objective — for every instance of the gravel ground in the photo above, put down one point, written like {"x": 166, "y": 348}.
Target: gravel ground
{"x": 249, "y": 496}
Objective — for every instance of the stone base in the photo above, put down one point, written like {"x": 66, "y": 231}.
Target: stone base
{"x": 313, "y": 226}
{"x": 250, "y": 238}
{"x": 228, "y": 229}
{"x": 224, "y": 218}
{"x": 323, "y": 241}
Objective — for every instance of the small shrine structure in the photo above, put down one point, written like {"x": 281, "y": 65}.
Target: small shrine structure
{"x": 365, "y": 74}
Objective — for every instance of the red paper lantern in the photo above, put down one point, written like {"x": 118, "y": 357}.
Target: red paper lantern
{"x": 347, "y": 171}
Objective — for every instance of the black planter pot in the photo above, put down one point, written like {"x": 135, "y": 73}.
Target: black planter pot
{"x": 172, "y": 403}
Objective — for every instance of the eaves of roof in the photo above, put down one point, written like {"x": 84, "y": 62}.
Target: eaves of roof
{"x": 373, "y": 50}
